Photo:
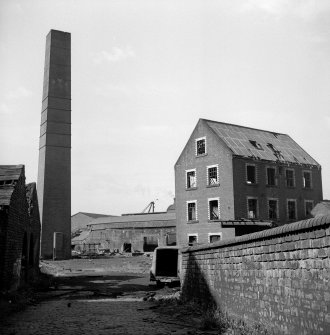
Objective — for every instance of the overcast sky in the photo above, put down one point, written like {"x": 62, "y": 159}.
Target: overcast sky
{"x": 144, "y": 72}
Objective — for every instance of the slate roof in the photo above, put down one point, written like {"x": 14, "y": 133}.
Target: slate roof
{"x": 260, "y": 144}
{"x": 8, "y": 175}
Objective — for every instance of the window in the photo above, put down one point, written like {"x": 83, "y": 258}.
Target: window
{"x": 309, "y": 205}
{"x": 201, "y": 146}
{"x": 292, "y": 209}
{"x": 289, "y": 176}
{"x": 251, "y": 174}
{"x": 192, "y": 239}
{"x": 271, "y": 179}
{"x": 191, "y": 211}
{"x": 212, "y": 175}
{"x": 307, "y": 179}
{"x": 191, "y": 179}
{"x": 214, "y": 237}
{"x": 252, "y": 208}
{"x": 214, "y": 212}
{"x": 272, "y": 209}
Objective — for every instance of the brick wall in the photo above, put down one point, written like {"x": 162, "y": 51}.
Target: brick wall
{"x": 280, "y": 192}
{"x": 279, "y": 277}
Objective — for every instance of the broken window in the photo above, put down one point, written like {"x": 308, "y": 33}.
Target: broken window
{"x": 192, "y": 211}
{"x": 191, "y": 179}
{"x": 214, "y": 209}
{"x": 271, "y": 179}
{"x": 252, "y": 208}
{"x": 201, "y": 146}
{"x": 307, "y": 179}
{"x": 289, "y": 175}
{"x": 214, "y": 237}
{"x": 292, "y": 209}
{"x": 256, "y": 145}
{"x": 212, "y": 175}
{"x": 250, "y": 174}
{"x": 192, "y": 240}
{"x": 272, "y": 209}
{"x": 309, "y": 204}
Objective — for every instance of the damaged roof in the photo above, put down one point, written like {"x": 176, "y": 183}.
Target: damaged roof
{"x": 9, "y": 174}
{"x": 260, "y": 144}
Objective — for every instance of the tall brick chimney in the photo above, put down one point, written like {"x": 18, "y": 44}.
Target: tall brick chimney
{"x": 54, "y": 170}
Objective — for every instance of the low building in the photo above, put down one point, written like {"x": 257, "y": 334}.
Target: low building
{"x": 80, "y": 220}
{"x": 128, "y": 233}
{"x": 19, "y": 228}
{"x": 231, "y": 173}
{"x": 322, "y": 208}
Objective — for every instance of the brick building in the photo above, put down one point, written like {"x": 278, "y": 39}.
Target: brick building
{"x": 19, "y": 228}
{"x": 80, "y": 220}
{"x": 231, "y": 180}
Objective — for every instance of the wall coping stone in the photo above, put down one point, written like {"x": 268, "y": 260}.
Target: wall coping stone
{"x": 318, "y": 221}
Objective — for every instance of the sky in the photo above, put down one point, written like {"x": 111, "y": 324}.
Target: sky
{"x": 144, "y": 72}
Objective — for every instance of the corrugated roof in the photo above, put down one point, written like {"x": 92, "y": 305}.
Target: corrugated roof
{"x": 260, "y": 144}
{"x": 8, "y": 173}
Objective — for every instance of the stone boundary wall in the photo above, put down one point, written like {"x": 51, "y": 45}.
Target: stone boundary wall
{"x": 278, "y": 277}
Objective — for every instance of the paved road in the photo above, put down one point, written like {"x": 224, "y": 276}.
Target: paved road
{"x": 108, "y": 304}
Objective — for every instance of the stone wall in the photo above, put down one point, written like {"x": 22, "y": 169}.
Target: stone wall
{"x": 278, "y": 277}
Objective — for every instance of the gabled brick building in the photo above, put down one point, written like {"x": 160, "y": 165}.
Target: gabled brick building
{"x": 19, "y": 228}
{"x": 229, "y": 177}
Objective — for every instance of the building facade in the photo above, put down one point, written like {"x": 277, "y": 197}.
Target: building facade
{"x": 229, "y": 173}
{"x": 19, "y": 228}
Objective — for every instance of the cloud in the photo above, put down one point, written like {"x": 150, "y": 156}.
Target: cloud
{"x": 307, "y": 9}
{"x": 4, "y": 109}
{"x": 18, "y": 93}
{"x": 115, "y": 55}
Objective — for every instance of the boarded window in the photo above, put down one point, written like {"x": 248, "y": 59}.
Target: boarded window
{"x": 271, "y": 181}
{"x": 215, "y": 238}
{"x": 291, "y": 210}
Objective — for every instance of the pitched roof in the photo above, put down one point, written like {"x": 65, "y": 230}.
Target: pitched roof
{"x": 93, "y": 215}
{"x": 8, "y": 175}
{"x": 260, "y": 144}
{"x": 81, "y": 237}
{"x": 136, "y": 221}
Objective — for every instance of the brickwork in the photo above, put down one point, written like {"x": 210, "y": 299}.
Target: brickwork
{"x": 280, "y": 191}
{"x": 216, "y": 153}
{"x": 279, "y": 277}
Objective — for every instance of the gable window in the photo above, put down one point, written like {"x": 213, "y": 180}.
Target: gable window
{"x": 289, "y": 176}
{"x": 191, "y": 179}
{"x": 192, "y": 239}
{"x": 214, "y": 212}
{"x": 292, "y": 212}
{"x": 212, "y": 175}
{"x": 192, "y": 210}
{"x": 250, "y": 174}
{"x": 214, "y": 237}
{"x": 201, "y": 146}
{"x": 272, "y": 209}
{"x": 307, "y": 179}
{"x": 252, "y": 208}
{"x": 309, "y": 205}
{"x": 271, "y": 179}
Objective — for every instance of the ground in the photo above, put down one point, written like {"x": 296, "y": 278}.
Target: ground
{"x": 101, "y": 296}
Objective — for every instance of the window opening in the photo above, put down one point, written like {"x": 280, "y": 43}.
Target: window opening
{"x": 271, "y": 180}
{"x": 308, "y": 208}
{"x": 191, "y": 211}
{"x": 307, "y": 179}
{"x": 251, "y": 174}
{"x": 215, "y": 238}
{"x": 191, "y": 179}
{"x": 201, "y": 149}
{"x": 289, "y": 178}
{"x": 272, "y": 209}
{"x": 192, "y": 240}
{"x": 213, "y": 175}
{"x": 252, "y": 208}
{"x": 214, "y": 210}
{"x": 291, "y": 210}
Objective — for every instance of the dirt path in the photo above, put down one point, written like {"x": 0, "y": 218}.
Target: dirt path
{"x": 85, "y": 301}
